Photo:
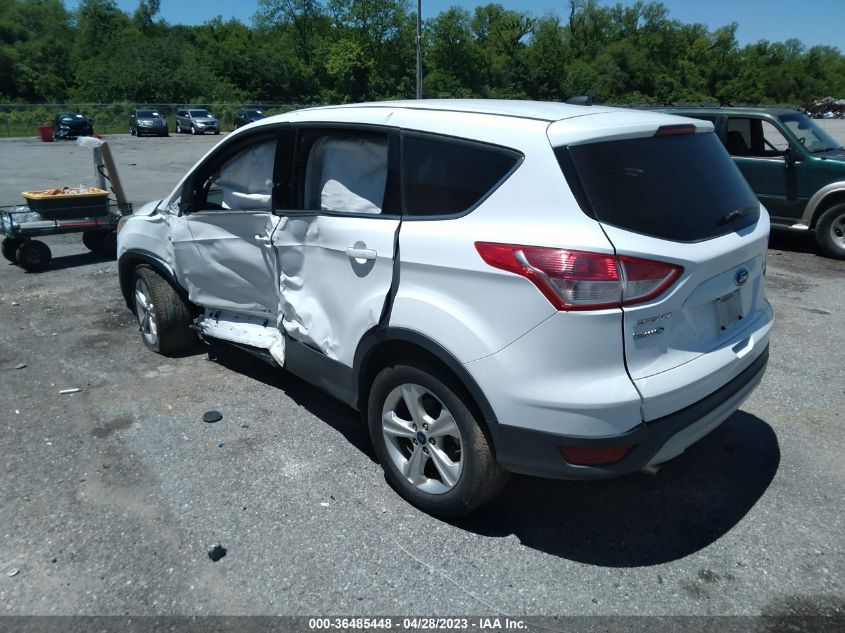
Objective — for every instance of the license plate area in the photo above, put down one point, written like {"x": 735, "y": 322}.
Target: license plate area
{"x": 729, "y": 309}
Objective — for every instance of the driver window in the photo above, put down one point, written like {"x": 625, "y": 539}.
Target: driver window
{"x": 754, "y": 137}
{"x": 244, "y": 182}
{"x": 773, "y": 140}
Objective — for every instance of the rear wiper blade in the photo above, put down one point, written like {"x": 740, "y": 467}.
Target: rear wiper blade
{"x": 736, "y": 214}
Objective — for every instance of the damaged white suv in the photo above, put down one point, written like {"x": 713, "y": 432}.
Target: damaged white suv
{"x": 559, "y": 290}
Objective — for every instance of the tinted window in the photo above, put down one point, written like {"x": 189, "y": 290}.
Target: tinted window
{"x": 683, "y": 188}
{"x": 443, "y": 176}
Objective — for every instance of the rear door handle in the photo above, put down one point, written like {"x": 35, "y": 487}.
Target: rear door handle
{"x": 360, "y": 253}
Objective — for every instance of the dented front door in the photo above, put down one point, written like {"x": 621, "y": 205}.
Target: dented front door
{"x": 221, "y": 243}
{"x": 336, "y": 243}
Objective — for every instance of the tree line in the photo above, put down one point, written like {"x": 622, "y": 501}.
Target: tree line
{"x": 334, "y": 51}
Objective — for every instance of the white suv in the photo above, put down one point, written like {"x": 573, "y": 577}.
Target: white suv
{"x": 564, "y": 291}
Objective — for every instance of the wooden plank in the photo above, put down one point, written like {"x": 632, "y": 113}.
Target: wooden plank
{"x": 114, "y": 179}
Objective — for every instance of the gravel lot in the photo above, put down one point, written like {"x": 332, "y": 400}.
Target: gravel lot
{"x": 112, "y": 497}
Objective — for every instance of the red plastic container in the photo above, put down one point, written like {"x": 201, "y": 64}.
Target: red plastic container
{"x": 46, "y": 133}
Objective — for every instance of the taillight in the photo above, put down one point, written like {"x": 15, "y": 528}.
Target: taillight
{"x": 580, "y": 280}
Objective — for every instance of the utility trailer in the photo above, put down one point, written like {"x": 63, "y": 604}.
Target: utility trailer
{"x": 20, "y": 225}
{"x": 85, "y": 210}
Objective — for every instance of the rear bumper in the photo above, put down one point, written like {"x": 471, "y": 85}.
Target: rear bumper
{"x": 533, "y": 452}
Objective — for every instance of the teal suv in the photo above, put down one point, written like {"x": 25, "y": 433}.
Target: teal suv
{"x": 795, "y": 168}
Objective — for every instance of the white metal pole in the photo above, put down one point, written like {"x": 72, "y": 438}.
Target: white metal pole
{"x": 419, "y": 49}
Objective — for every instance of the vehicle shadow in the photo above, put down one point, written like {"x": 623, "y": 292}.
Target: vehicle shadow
{"x": 641, "y": 520}
{"x": 632, "y": 521}
{"x": 794, "y": 241}
{"x": 340, "y": 417}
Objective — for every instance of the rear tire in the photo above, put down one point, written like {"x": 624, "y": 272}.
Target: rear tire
{"x": 178, "y": 128}
{"x": 34, "y": 256}
{"x": 93, "y": 240}
{"x": 10, "y": 248}
{"x": 109, "y": 248}
{"x": 162, "y": 314}
{"x": 432, "y": 448}
{"x": 830, "y": 231}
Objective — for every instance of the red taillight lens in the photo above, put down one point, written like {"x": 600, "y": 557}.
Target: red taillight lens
{"x": 579, "y": 280}
{"x": 580, "y": 456}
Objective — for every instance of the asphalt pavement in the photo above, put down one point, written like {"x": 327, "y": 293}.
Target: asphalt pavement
{"x": 111, "y": 497}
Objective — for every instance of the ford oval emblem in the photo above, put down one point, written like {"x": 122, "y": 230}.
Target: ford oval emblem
{"x": 741, "y": 276}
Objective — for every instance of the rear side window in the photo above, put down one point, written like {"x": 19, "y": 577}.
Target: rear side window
{"x": 444, "y": 176}
{"x": 683, "y": 188}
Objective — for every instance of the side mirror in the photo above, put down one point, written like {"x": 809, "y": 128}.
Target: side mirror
{"x": 792, "y": 156}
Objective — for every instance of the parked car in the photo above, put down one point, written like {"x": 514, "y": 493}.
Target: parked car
{"x": 71, "y": 125}
{"x": 196, "y": 121}
{"x": 243, "y": 117}
{"x": 795, "y": 168}
{"x": 497, "y": 287}
{"x": 147, "y": 122}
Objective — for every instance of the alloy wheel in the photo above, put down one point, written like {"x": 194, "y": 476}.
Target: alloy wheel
{"x": 422, "y": 438}
{"x": 145, "y": 311}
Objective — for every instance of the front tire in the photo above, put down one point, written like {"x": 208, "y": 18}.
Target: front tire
{"x": 830, "y": 231}
{"x": 432, "y": 448}
{"x": 194, "y": 129}
{"x": 162, "y": 314}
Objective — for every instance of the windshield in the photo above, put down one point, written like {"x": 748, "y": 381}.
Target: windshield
{"x": 148, "y": 114}
{"x": 808, "y": 133}
{"x": 200, "y": 113}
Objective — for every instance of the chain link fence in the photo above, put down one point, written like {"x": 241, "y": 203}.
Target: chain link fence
{"x": 18, "y": 119}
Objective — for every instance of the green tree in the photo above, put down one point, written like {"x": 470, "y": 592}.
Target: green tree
{"x": 35, "y": 39}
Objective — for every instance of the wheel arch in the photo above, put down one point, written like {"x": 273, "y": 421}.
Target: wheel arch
{"x": 129, "y": 262}
{"x": 383, "y": 346}
{"x": 822, "y": 200}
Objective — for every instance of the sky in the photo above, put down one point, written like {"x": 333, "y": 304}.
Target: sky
{"x": 816, "y": 22}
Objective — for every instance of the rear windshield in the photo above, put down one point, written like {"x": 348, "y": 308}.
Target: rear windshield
{"x": 683, "y": 188}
